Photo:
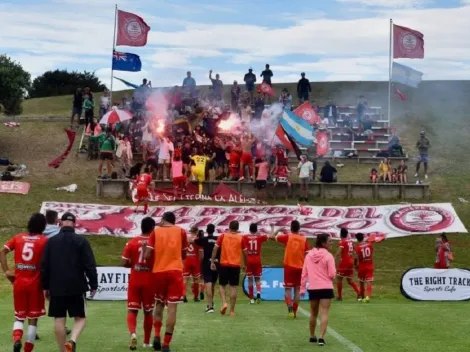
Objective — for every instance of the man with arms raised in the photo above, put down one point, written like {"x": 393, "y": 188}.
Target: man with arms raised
{"x": 254, "y": 268}
{"x": 141, "y": 290}
{"x": 346, "y": 265}
{"x": 294, "y": 256}
{"x": 169, "y": 244}
{"x": 232, "y": 247}
{"x": 247, "y": 158}
{"x": 28, "y": 298}
{"x": 142, "y": 185}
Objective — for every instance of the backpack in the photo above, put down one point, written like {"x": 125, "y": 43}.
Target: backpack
{"x": 6, "y": 176}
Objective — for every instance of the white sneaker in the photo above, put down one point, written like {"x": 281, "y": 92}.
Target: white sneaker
{"x": 252, "y": 301}
{"x": 426, "y": 177}
{"x": 147, "y": 346}
{"x": 416, "y": 175}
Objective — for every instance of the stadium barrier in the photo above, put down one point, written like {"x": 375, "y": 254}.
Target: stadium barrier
{"x": 120, "y": 188}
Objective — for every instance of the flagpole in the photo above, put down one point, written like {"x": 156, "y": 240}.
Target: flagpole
{"x": 114, "y": 48}
{"x": 390, "y": 73}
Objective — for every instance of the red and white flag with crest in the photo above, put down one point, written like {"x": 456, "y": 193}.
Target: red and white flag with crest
{"x": 407, "y": 43}
{"x": 307, "y": 113}
{"x": 131, "y": 29}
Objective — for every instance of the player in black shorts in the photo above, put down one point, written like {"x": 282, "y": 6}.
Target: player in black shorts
{"x": 210, "y": 277}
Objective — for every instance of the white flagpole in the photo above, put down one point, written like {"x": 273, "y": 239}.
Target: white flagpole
{"x": 114, "y": 48}
{"x": 390, "y": 73}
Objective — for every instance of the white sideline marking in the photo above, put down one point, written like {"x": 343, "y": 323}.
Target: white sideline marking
{"x": 341, "y": 339}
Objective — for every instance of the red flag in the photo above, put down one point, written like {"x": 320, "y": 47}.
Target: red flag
{"x": 407, "y": 43}
{"x": 56, "y": 163}
{"x": 281, "y": 134}
{"x": 307, "y": 113}
{"x": 131, "y": 29}
{"x": 400, "y": 94}
{"x": 265, "y": 88}
{"x": 322, "y": 143}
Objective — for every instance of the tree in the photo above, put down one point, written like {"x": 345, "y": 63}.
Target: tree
{"x": 63, "y": 82}
{"x": 14, "y": 81}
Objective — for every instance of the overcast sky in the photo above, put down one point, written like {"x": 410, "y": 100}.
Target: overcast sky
{"x": 330, "y": 40}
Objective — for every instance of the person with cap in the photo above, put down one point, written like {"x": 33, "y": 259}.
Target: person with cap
{"x": 68, "y": 271}
{"x": 250, "y": 80}
{"x": 303, "y": 88}
{"x": 423, "y": 146}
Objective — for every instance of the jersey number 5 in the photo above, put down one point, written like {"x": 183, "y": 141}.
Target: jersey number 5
{"x": 350, "y": 248}
{"x": 28, "y": 251}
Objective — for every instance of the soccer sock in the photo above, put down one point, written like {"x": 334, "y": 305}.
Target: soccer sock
{"x": 148, "y": 322}
{"x": 18, "y": 330}
{"x": 31, "y": 336}
{"x": 184, "y": 288}
{"x": 132, "y": 321}
{"x": 196, "y": 290}
{"x": 200, "y": 188}
{"x": 146, "y": 207}
{"x": 157, "y": 326}
{"x": 288, "y": 301}
{"x": 167, "y": 339}
{"x": 295, "y": 307}
{"x": 258, "y": 288}
{"x": 250, "y": 291}
{"x": 340, "y": 289}
{"x": 369, "y": 289}
{"x": 354, "y": 286}
{"x": 28, "y": 347}
{"x": 361, "y": 291}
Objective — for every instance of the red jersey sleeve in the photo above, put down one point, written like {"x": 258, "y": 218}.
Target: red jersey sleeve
{"x": 263, "y": 238}
{"x": 148, "y": 179}
{"x": 151, "y": 241}
{"x": 10, "y": 245}
{"x": 219, "y": 240}
{"x": 126, "y": 252}
{"x": 307, "y": 247}
{"x": 184, "y": 240}
{"x": 282, "y": 239}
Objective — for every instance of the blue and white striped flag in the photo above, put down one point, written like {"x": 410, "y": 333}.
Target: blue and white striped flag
{"x": 406, "y": 75}
{"x": 297, "y": 128}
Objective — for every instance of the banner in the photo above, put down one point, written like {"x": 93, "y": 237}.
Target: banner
{"x": 322, "y": 143}
{"x": 272, "y": 285}
{"x": 58, "y": 161}
{"x": 14, "y": 187}
{"x": 112, "y": 283}
{"x": 425, "y": 284}
{"x": 390, "y": 220}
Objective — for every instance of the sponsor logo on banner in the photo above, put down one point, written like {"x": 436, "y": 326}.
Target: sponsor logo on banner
{"x": 389, "y": 220}
{"x": 14, "y": 187}
{"x": 426, "y": 284}
{"x": 113, "y": 282}
{"x": 272, "y": 285}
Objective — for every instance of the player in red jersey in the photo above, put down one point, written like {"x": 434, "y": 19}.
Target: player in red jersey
{"x": 192, "y": 265}
{"x": 28, "y": 297}
{"x": 346, "y": 265}
{"x": 142, "y": 184}
{"x": 365, "y": 266}
{"x": 254, "y": 268}
{"x": 141, "y": 292}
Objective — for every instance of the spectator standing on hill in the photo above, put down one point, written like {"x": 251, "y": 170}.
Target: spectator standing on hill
{"x": 267, "y": 74}
{"x": 217, "y": 86}
{"x": 331, "y": 112}
{"x": 107, "y": 145}
{"x": 189, "y": 83}
{"x": 395, "y": 150}
{"x": 303, "y": 88}
{"x": 250, "y": 80}
{"x": 235, "y": 96}
{"x": 88, "y": 108}
{"x": 104, "y": 103}
{"x": 305, "y": 168}
{"x": 77, "y": 105}
{"x": 328, "y": 173}
{"x": 423, "y": 146}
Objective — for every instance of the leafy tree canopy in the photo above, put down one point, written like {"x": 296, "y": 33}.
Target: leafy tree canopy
{"x": 14, "y": 82}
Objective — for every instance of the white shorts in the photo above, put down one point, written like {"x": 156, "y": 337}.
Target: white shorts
{"x": 163, "y": 161}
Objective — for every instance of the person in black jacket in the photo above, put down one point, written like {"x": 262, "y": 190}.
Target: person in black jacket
{"x": 328, "y": 173}
{"x": 67, "y": 263}
{"x": 303, "y": 88}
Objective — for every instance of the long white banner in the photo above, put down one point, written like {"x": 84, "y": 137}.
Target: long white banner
{"x": 391, "y": 220}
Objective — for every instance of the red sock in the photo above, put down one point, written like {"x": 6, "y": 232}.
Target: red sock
{"x": 295, "y": 307}
{"x": 167, "y": 339}
{"x": 157, "y": 326}
{"x": 28, "y": 347}
{"x": 354, "y": 286}
{"x": 196, "y": 290}
{"x": 340, "y": 289}
{"x": 132, "y": 321}
{"x": 288, "y": 301}
{"x": 184, "y": 288}
{"x": 250, "y": 291}
{"x": 361, "y": 291}
{"x": 258, "y": 288}
{"x": 148, "y": 322}
{"x": 17, "y": 335}
{"x": 146, "y": 208}
{"x": 369, "y": 289}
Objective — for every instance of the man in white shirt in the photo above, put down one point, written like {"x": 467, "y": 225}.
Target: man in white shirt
{"x": 305, "y": 175}
{"x": 164, "y": 158}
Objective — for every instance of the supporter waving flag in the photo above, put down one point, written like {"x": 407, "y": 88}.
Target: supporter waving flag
{"x": 297, "y": 128}
{"x": 288, "y": 141}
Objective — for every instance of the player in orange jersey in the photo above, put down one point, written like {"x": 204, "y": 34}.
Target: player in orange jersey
{"x": 232, "y": 247}
{"x": 364, "y": 264}
{"x": 294, "y": 256}
{"x": 254, "y": 268}
{"x": 169, "y": 244}
{"x": 346, "y": 265}
{"x": 28, "y": 297}
{"x": 142, "y": 184}
{"x": 192, "y": 265}
{"x": 141, "y": 289}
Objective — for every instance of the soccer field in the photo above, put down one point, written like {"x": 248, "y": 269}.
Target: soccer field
{"x": 383, "y": 325}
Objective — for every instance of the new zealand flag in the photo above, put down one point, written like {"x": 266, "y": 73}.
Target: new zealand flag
{"x": 126, "y": 62}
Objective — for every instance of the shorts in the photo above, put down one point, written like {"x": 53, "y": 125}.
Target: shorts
{"x": 77, "y": 111}
{"x": 247, "y": 159}
{"x": 229, "y": 275}
{"x": 75, "y": 306}
{"x": 162, "y": 161}
{"x": 303, "y": 95}
{"x": 169, "y": 286}
{"x": 234, "y": 170}
{"x": 211, "y": 165}
{"x": 200, "y": 175}
{"x": 315, "y": 295}
{"x": 345, "y": 270}
{"x": 282, "y": 180}
{"x": 261, "y": 184}
{"x": 152, "y": 162}
{"x": 292, "y": 277}
{"x": 180, "y": 182}
{"x": 254, "y": 269}
{"x": 28, "y": 302}
{"x": 365, "y": 274}
{"x": 142, "y": 192}
{"x": 250, "y": 87}
{"x": 141, "y": 296}
{"x": 423, "y": 158}
{"x": 304, "y": 181}
{"x": 192, "y": 268}
{"x": 210, "y": 276}
{"x": 221, "y": 162}
{"x": 106, "y": 156}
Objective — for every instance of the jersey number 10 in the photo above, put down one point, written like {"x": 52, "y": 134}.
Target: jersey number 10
{"x": 365, "y": 252}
